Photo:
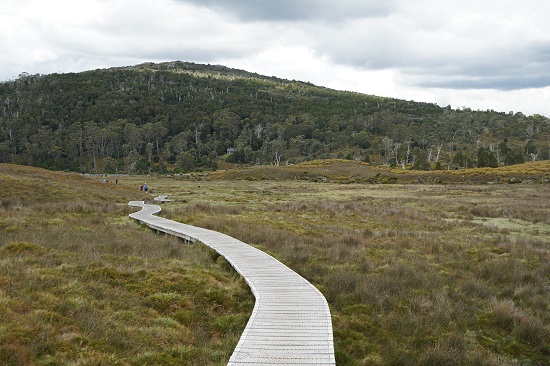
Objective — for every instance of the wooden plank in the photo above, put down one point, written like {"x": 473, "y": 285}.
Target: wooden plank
{"x": 290, "y": 323}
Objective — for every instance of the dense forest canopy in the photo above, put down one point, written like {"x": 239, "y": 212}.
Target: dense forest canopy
{"x": 184, "y": 116}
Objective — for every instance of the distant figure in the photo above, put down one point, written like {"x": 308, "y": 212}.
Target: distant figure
{"x": 141, "y": 187}
{"x": 145, "y": 188}
{"x": 104, "y": 181}
{"x": 116, "y": 181}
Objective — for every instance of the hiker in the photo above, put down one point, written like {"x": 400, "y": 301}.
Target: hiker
{"x": 145, "y": 188}
{"x": 141, "y": 187}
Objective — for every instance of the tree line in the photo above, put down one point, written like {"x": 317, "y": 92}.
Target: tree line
{"x": 184, "y": 116}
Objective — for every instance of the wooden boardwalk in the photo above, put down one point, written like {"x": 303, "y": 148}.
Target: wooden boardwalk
{"x": 290, "y": 323}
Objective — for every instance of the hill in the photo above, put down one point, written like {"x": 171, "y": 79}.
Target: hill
{"x": 183, "y": 116}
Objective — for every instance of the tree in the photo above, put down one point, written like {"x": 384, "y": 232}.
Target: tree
{"x": 514, "y": 156}
{"x": 132, "y": 160}
{"x": 226, "y": 124}
{"x": 420, "y": 159}
{"x": 149, "y": 151}
{"x": 503, "y": 148}
{"x": 463, "y": 160}
{"x": 185, "y": 161}
{"x": 277, "y": 150}
{"x": 407, "y": 153}
{"x": 5, "y": 151}
{"x": 132, "y": 137}
{"x": 110, "y": 165}
{"x": 531, "y": 150}
{"x": 154, "y": 133}
{"x": 388, "y": 145}
{"x": 361, "y": 139}
{"x": 486, "y": 158}
{"x": 438, "y": 154}
{"x": 180, "y": 142}
{"x": 74, "y": 141}
{"x": 74, "y": 121}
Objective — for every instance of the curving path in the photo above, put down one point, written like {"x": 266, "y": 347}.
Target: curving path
{"x": 290, "y": 323}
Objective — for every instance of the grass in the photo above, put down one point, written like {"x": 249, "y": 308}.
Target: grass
{"x": 80, "y": 283}
{"x": 346, "y": 171}
{"x": 415, "y": 274}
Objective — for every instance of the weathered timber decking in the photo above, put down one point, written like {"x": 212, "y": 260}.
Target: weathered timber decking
{"x": 290, "y": 323}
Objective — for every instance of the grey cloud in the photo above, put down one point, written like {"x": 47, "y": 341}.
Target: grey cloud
{"x": 292, "y": 10}
{"x": 493, "y": 75}
{"x": 539, "y": 53}
{"x": 519, "y": 64}
{"x": 497, "y": 74}
{"x": 499, "y": 82}
{"x": 522, "y": 67}
{"x": 189, "y": 54}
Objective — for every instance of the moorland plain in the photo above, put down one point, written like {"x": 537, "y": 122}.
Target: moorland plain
{"x": 415, "y": 274}
{"x": 82, "y": 284}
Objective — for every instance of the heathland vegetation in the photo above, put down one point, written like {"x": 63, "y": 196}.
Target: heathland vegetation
{"x": 415, "y": 274}
{"x": 182, "y": 117}
{"x": 81, "y": 284}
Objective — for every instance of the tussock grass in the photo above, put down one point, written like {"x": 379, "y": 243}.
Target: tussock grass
{"x": 414, "y": 274}
{"x": 80, "y": 283}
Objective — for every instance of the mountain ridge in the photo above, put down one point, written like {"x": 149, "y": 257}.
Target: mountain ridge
{"x": 185, "y": 116}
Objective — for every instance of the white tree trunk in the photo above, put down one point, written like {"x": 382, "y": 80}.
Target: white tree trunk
{"x": 439, "y": 148}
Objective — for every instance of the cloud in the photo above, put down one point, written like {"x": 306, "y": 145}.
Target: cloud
{"x": 61, "y": 36}
{"x": 470, "y": 47}
{"x": 497, "y": 82}
{"x": 294, "y": 10}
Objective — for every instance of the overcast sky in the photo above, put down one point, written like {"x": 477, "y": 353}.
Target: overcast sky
{"x": 481, "y": 54}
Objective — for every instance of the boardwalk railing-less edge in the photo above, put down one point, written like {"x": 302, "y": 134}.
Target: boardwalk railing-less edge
{"x": 290, "y": 323}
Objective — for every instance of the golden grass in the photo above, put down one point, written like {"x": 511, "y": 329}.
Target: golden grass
{"x": 346, "y": 171}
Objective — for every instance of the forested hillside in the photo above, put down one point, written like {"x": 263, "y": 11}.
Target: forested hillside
{"x": 183, "y": 116}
